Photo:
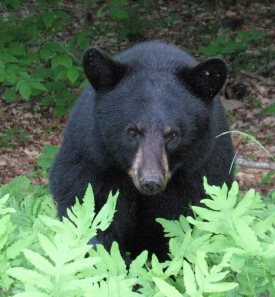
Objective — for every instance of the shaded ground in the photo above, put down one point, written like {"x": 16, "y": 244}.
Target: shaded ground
{"x": 31, "y": 126}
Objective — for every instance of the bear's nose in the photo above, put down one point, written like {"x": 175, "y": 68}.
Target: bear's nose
{"x": 151, "y": 184}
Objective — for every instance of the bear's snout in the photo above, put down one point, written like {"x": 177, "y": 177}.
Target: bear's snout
{"x": 150, "y": 170}
{"x": 152, "y": 185}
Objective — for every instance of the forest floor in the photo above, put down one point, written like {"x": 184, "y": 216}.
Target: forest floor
{"x": 248, "y": 92}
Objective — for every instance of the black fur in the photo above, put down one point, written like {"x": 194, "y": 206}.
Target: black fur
{"x": 157, "y": 99}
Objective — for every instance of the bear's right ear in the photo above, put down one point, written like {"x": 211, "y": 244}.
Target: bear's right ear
{"x": 206, "y": 79}
{"x": 102, "y": 72}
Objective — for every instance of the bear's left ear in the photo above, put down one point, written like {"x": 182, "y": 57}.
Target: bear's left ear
{"x": 206, "y": 79}
{"x": 102, "y": 72}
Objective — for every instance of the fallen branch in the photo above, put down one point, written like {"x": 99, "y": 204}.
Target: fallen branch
{"x": 242, "y": 162}
{"x": 261, "y": 78}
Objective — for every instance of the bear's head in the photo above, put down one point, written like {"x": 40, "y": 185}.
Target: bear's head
{"x": 154, "y": 118}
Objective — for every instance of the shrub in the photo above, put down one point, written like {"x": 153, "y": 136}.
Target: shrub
{"x": 228, "y": 249}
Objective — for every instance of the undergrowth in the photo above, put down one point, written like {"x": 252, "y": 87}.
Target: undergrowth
{"x": 226, "y": 250}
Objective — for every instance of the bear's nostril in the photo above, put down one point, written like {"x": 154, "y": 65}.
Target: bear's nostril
{"x": 151, "y": 184}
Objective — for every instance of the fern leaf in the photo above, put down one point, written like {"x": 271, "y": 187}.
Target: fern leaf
{"x": 105, "y": 215}
{"x": 244, "y": 205}
{"x": 189, "y": 279}
{"x": 48, "y": 247}
{"x": 247, "y": 238}
{"x": 16, "y": 247}
{"x": 31, "y": 277}
{"x": 5, "y": 210}
{"x": 39, "y": 262}
{"x": 116, "y": 256}
{"x": 77, "y": 266}
{"x": 220, "y": 287}
{"x": 136, "y": 267}
{"x": 32, "y": 294}
{"x": 75, "y": 253}
{"x": 52, "y": 223}
{"x": 5, "y": 230}
{"x": 107, "y": 265}
{"x": 166, "y": 289}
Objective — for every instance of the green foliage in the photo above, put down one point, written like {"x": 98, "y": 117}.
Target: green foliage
{"x": 269, "y": 110}
{"x": 33, "y": 63}
{"x": 268, "y": 178}
{"x": 45, "y": 160}
{"x": 227, "y": 250}
{"x": 132, "y": 21}
{"x": 13, "y": 136}
{"x": 228, "y": 45}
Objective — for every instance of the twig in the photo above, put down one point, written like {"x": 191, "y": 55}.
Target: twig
{"x": 253, "y": 75}
{"x": 242, "y": 162}
{"x": 68, "y": 52}
{"x": 218, "y": 17}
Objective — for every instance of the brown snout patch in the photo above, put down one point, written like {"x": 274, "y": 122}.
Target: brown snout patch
{"x": 150, "y": 170}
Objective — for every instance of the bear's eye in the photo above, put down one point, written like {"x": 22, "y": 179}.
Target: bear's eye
{"x": 173, "y": 135}
{"x": 132, "y": 133}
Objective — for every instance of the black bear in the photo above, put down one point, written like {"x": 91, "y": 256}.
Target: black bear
{"x": 146, "y": 126}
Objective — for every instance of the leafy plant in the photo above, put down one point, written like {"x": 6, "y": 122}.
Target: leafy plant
{"x": 13, "y": 136}
{"x": 33, "y": 62}
{"x": 226, "y": 250}
{"x": 45, "y": 160}
{"x": 226, "y": 44}
{"x": 131, "y": 20}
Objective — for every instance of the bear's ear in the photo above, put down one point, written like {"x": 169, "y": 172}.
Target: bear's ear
{"x": 102, "y": 72}
{"x": 206, "y": 79}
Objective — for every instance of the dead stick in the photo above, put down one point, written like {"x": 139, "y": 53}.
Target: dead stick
{"x": 242, "y": 162}
{"x": 253, "y": 75}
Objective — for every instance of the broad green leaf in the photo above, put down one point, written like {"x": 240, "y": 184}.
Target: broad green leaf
{"x": 72, "y": 74}
{"x": 45, "y": 53}
{"x": 49, "y": 100}
{"x": 48, "y": 18}
{"x": 25, "y": 90}
{"x": 25, "y": 76}
{"x": 37, "y": 86}
{"x": 119, "y": 13}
